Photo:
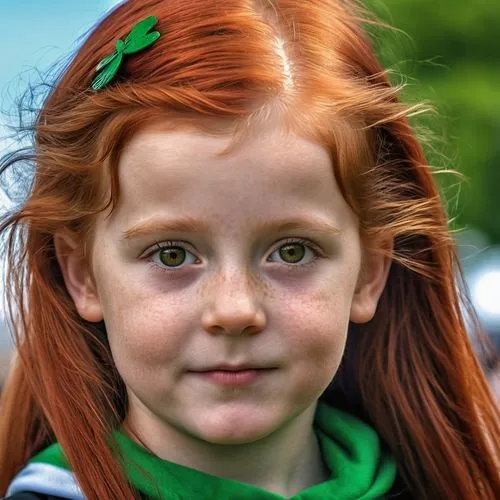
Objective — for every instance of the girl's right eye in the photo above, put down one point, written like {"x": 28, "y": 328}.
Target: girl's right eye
{"x": 171, "y": 255}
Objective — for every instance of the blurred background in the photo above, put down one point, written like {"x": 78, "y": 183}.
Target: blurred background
{"x": 449, "y": 54}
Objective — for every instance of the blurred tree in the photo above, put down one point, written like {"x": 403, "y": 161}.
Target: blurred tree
{"x": 451, "y": 55}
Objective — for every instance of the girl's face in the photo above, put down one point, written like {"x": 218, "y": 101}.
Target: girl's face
{"x": 248, "y": 262}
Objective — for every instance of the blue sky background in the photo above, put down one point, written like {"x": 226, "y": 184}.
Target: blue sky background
{"x": 37, "y": 33}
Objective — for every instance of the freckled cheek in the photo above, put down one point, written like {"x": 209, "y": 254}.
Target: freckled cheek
{"x": 145, "y": 328}
{"x": 316, "y": 347}
{"x": 317, "y": 327}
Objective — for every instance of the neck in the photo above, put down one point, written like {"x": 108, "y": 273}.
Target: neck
{"x": 285, "y": 462}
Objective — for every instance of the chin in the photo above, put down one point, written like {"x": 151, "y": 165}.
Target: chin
{"x": 234, "y": 427}
{"x": 239, "y": 436}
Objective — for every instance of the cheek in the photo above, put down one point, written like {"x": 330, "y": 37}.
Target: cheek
{"x": 317, "y": 323}
{"x": 317, "y": 336}
{"x": 147, "y": 344}
{"x": 143, "y": 328}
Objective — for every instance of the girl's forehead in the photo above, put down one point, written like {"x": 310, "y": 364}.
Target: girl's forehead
{"x": 171, "y": 146}
{"x": 267, "y": 125}
{"x": 179, "y": 164}
{"x": 160, "y": 168}
{"x": 180, "y": 174}
{"x": 169, "y": 159}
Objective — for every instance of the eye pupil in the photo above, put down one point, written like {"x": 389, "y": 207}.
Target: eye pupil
{"x": 295, "y": 251}
{"x": 173, "y": 256}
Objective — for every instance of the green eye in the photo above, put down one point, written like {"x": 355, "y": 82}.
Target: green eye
{"x": 174, "y": 256}
{"x": 292, "y": 253}
{"x": 297, "y": 254}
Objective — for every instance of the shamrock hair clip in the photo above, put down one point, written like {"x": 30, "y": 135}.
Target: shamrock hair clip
{"x": 137, "y": 40}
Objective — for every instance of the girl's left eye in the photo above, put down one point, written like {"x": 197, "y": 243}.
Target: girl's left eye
{"x": 171, "y": 255}
{"x": 292, "y": 251}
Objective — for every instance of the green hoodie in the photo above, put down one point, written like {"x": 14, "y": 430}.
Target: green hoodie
{"x": 360, "y": 469}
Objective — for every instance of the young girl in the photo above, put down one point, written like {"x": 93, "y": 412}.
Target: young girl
{"x": 232, "y": 277}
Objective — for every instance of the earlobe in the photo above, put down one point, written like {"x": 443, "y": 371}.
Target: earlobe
{"x": 371, "y": 284}
{"x": 77, "y": 277}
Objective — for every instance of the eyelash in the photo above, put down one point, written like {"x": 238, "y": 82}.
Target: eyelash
{"x": 292, "y": 267}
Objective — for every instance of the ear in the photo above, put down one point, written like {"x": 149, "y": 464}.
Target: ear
{"x": 371, "y": 283}
{"x": 77, "y": 276}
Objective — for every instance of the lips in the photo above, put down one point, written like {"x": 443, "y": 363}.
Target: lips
{"x": 232, "y": 368}
{"x": 227, "y": 374}
{"x": 232, "y": 376}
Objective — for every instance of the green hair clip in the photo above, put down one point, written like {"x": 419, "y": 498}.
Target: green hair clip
{"x": 138, "y": 39}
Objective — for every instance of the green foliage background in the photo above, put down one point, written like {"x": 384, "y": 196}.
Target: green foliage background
{"x": 450, "y": 52}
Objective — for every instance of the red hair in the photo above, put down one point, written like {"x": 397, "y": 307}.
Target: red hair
{"x": 229, "y": 66}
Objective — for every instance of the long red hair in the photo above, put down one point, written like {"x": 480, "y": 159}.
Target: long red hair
{"x": 231, "y": 65}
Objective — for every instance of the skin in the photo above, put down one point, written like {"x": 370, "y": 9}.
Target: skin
{"x": 234, "y": 298}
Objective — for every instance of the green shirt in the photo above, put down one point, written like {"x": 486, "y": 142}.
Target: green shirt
{"x": 360, "y": 469}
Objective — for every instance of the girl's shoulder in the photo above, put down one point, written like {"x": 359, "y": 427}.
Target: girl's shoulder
{"x": 29, "y": 495}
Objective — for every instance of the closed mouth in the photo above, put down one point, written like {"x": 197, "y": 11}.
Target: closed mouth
{"x": 233, "y": 369}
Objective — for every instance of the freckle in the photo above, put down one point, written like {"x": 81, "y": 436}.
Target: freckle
{"x": 261, "y": 286}
{"x": 258, "y": 285}
{"x": 322, "y": 296}
{"x": 203, "y": 290}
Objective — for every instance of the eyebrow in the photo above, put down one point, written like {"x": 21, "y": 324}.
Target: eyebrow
{"x": 190, "y": 225}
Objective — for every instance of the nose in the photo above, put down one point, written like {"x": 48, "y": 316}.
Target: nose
{"x": 233, "y": 307}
